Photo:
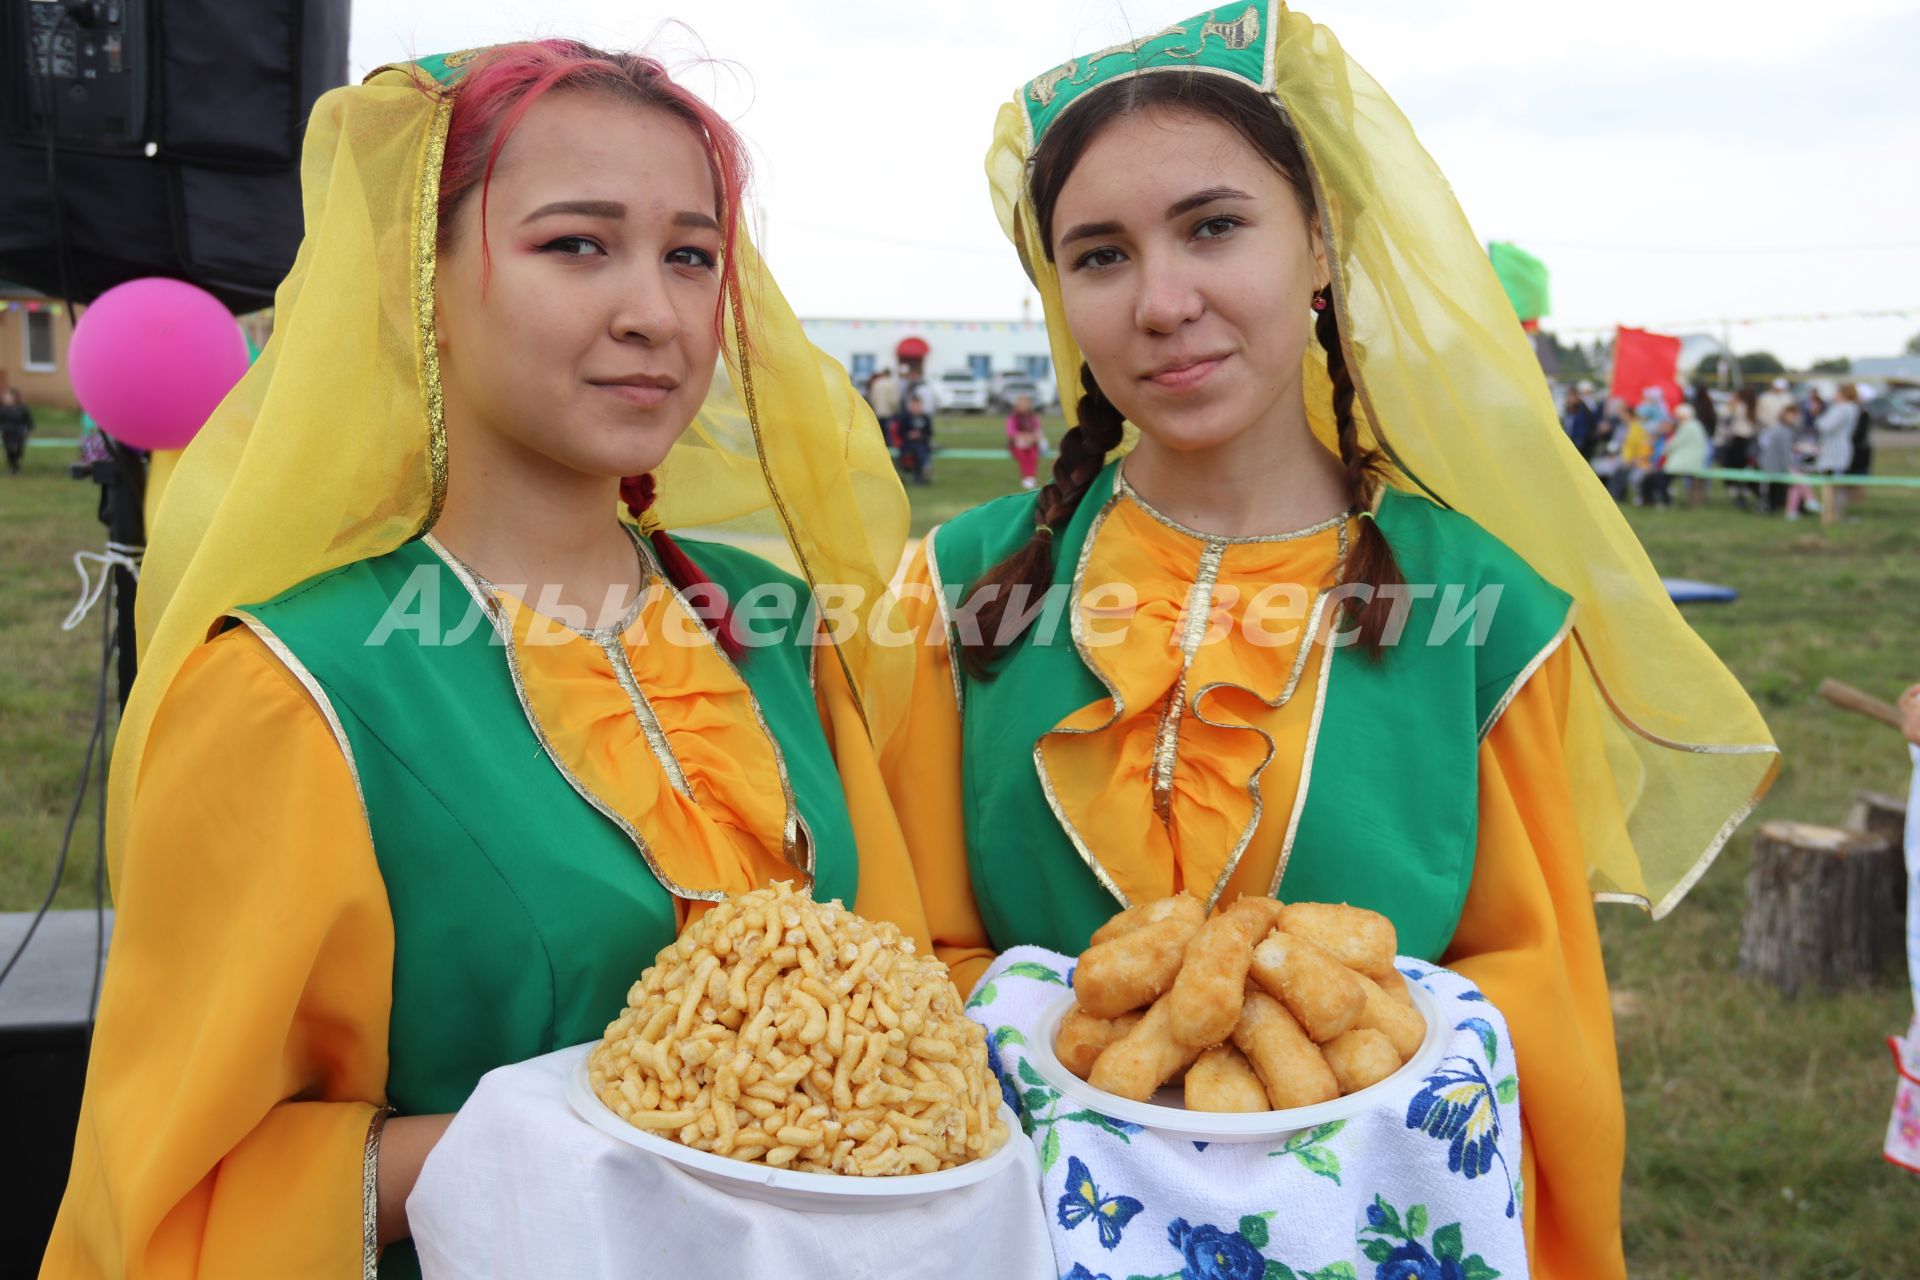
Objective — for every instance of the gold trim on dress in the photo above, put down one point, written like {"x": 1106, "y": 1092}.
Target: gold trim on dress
{"x": 1707, "y": 856}
{"x": 798, "y": 854}
{"x": 1122, "y": 486}
{"x": 946, "y": 621}
{"x": 1193, "y": 628}
{"x": 1719, "y": 841}
{"x": 1166, "y": 742}
{"x": 311, "y": 683}
{"x": 483, "y": 596}
{"x": 1124, "y": 493}
{"x": 370, "y": 1195}
{"x": 616, "y": 651}
{"x": 1526, "y": 673}
{"x": 1078, "y": 631}
{"x": 649, "y": 571}
{"x": 612, "y": 642}
{"x": 426, "y": 253}
{"x": 1306, "y": 774}
{"x": 1697, "y": 748}
{"x": 1314, "y": 622}
{"x": 751, "y": 404}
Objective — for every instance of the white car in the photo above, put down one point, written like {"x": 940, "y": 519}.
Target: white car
{"x": 1015, "y": 386}
{"x": 960, "y": 391}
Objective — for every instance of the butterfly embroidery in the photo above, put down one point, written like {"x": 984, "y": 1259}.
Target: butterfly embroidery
{"x": 1083, "y": 1201}
{"x": 1456, "y": 1106}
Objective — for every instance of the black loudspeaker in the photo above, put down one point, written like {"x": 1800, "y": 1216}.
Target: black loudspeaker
{"x": 43, "y": 1063}
{"x": 175, "y": 129}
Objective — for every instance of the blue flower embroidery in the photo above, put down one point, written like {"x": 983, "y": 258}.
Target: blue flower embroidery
{"x": 1456, "y": 1106}
{"x": 1083, "y": 1201}
{"x": 1411, "y": 1261}
{"x": 1213, "y": 1254}
{"x": 1412, "y": 1258}
{"x": 1007, "y": 1090}
{"x": 1080, "y": 1272}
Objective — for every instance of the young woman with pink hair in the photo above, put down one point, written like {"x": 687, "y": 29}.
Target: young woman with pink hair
{"x": 382, "y": 822}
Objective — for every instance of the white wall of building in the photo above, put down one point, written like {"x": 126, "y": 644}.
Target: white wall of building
{"x": 1001, "y": 346}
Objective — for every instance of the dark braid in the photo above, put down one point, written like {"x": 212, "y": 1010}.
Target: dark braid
{"x": 638, "y": 492}
{"x": 1369, "y": 558}
{"x": 1083, "y": 452}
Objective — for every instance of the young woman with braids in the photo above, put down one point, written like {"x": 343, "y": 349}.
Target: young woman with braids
{"x": 1302, "y": 628}
{"x": 383, "y": 819}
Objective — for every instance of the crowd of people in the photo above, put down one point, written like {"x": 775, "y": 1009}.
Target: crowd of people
{"x": 1640, "y": 451}
{"x": 904, "y": 405}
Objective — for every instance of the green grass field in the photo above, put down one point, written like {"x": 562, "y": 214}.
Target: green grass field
{"x": 1754, "y": 1123}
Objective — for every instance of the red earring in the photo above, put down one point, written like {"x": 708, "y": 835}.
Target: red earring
{"x": 1320, "y": 301}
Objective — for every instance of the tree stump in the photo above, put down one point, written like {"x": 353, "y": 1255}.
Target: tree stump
{"x": 1882, "y": 814}
{"x": 1879, "y": 813}
{"x": 1820, "y": 907}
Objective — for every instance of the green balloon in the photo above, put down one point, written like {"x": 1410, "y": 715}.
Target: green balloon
{"x": 1523, "y": 276}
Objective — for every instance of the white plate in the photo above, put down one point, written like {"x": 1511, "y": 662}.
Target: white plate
{"x": 1166, "y": 1114}
{"x": 793, "y": 1189}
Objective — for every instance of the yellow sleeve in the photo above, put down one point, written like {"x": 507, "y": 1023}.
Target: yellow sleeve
{"x": 240, "y": 1055}
{"x": 887, "y": 890}
{"x": 920, "y": 763}
{"x": 1528, "y": 937}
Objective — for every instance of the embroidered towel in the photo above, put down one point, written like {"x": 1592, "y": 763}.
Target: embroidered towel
{"x": 1425, "y": 1183}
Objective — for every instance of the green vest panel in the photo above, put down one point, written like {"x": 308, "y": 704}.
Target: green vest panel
{"x": 521, "y": 914}
{"x": 1391, "y": 812}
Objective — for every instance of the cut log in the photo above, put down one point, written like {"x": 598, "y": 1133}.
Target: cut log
{"x": 1821, "y": 906}
{"x": 1884, "y": 815}
{"x": 1879, "y": 813}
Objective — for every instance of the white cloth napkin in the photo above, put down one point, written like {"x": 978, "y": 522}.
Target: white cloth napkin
{"x": 520, "y": 1187}
{"x": 1421, "y": 1187}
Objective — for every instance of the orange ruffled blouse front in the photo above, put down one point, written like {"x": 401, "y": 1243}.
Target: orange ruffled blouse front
{"x": 1186, "y": 777}
{"x": 659, "y": 731}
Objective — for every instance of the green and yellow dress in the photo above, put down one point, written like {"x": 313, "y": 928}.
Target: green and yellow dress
{"x": 367, "y": 874}
{"x": 377, "y": 826}
{"x": 1185, "y": 741}
{"x": 1481, "y": 785}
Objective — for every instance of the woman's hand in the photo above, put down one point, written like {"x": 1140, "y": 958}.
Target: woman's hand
{"x": 405, "y": 1144}
{"x": 1910, "y": 714}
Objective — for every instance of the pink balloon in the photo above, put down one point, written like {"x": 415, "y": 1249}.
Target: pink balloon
{"x": 151, "y": 359}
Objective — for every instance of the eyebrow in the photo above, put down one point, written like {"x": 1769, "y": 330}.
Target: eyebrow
{"x": 1209, "y": 196}
{"x": 1090, "y": 230}
{"x": 612, "y": 209}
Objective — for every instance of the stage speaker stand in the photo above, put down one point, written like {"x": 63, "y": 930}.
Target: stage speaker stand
{"x": 43, "y": 1063}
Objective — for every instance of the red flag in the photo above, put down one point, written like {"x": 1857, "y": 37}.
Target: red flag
{"x": 1642, "y": 360}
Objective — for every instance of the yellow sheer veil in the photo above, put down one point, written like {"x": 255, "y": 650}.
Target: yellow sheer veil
{"x": 331, "y": 449}
{"x": 1667, "y": 753}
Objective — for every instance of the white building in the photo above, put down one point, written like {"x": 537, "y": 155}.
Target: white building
{"x": 983, "y": 347}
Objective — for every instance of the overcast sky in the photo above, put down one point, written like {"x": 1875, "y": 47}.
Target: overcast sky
{"x": 1670, "y": 160}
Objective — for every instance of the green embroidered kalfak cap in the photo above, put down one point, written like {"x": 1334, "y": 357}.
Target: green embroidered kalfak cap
{"x": 1234, "y": 40}
{"x": 443, "y": 68}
